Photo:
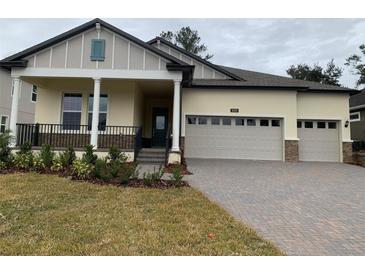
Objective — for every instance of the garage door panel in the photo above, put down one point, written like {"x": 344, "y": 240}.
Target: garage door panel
{"x": 319, "y": 144}
{"x": 233, "y": 141}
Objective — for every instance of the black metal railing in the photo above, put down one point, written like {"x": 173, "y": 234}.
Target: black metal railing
{"x": 137, "y": 142}
{"x": 168, "y": 142}
{"x": 76, "y": 136}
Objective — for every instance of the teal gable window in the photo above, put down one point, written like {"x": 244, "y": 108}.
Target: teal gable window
{"x": 97, "y": 50}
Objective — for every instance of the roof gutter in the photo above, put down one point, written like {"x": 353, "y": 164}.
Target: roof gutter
{"x": 187, "y": 70}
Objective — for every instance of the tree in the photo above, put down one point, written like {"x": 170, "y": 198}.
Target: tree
{"x": 358, "y": 67}
{"x": 329, "y": 75}
{"x": 189, "y": 40}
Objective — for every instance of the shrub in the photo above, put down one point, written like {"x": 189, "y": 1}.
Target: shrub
{"x": 152, "y": 177}
{"x": 24, "y": 160}
{"x": 81, "y": 169}
{"x": 3, "y": 165}
{"x": 47, "y": 155}
{"x": 101, "y": 170}
{"x": 57, "y": 164}
{"x": 115, "y": 155}
{"x": 5, "y": 150}
{"x": 177, "y": 174}
{"x": 25, "y": 148}
{"x": 89, "y": 156}
{"x": 68, "y": 157}
{"x": 127, "y": 172}
{"x": 38, "y": 163}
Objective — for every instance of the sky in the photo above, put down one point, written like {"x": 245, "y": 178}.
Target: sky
{"x": 264, "y": 45}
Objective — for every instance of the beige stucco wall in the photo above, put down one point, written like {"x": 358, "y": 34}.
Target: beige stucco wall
{"x": 26, "y": 106}
{"x": 138, "y": 107}
{"x": 326, "y": 106}
{"x": 280, "y": 104}
{"x": 284, "y": 104}
{"x": 121, "y": 100}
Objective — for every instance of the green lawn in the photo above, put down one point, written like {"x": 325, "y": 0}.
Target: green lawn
{"x": 49, "y": 215}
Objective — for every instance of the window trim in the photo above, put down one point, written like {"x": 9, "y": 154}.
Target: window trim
{"x": 305, "y": 124}
{"x": 211, "y": 121}
{"x": 332, "y": 122}
{"x": 202, "y": 117}
{"x": 228, "y": 118}
{"x": 263, "y": 119}
{"x": 63, "y": 105}
{"x": 272, "y": 120}
{"x": 355, "y": 120}
{"x": 242, "y": 120}
{"x": 36, "y": 94}
{"x": 253, "y": 119}
{"x": 191, "y": 117}
{"x": 325, "y": 124}
{"x": 6, "y": 122}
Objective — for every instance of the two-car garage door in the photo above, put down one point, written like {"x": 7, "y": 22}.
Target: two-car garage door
{"x": 258, "y": 138}
{"x": 234, "y": 138}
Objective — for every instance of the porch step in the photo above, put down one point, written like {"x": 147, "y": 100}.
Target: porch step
{"x": 151, "y": 155}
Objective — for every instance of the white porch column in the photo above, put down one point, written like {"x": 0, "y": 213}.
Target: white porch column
{"x": 14, "y": 108}
{"x": 95, "y": 116}
{"x": 176, "y": 117}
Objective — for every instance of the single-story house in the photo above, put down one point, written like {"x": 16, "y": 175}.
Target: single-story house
{"x": 357, "y": 116}
{"x": 27, "y": 101}
{"x": 145, "y": 92}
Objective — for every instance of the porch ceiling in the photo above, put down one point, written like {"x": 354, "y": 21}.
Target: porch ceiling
{"x": 156, "y": 88}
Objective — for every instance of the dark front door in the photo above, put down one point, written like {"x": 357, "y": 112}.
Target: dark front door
{"x": 159, "y": 126}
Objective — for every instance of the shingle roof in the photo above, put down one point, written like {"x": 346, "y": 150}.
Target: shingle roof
{"x": 265, "y": 80}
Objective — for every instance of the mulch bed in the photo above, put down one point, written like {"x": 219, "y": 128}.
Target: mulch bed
{"x": 135, "y": 183}
{"x": 170, "y": 167}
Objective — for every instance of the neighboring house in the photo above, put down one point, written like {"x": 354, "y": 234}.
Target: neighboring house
{"x": 27, "y": 100}
{"x": 357, "y": 116}
{"x": 145, "y": 89}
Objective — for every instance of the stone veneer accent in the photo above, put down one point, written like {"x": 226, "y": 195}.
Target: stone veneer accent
{"x": 182, "y": 143}
{"x": 347, "y": 152}
{"x": 291, "y": 151}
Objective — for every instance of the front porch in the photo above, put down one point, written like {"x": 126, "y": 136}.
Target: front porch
{"x": 130, "y": 115}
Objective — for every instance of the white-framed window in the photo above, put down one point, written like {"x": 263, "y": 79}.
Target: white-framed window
{"x": 191, "y": 120}
{"x": 3, "y": 123}
{"x": 103, "y": 111}
{"x": 34, "y": 94}
{"x": 355, "y": 116}
{"x": 215, "y": 121}
{"x": 202, "y": 121}
{"x": 71, "y": 113}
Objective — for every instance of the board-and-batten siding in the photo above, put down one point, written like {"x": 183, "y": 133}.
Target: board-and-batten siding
{"x": 75, "y": 52}
{"x": 201, "y": 71}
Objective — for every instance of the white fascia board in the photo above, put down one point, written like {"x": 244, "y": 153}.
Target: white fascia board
{"x": 97, "y": 73}
{"x": 357, "y": 107}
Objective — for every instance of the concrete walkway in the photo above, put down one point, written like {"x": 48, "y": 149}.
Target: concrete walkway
{"x": 303, "y": 208}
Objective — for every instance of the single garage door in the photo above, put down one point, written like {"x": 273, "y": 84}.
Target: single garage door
{"x": 233, "y": 138}
{"x": 318, "y": 141}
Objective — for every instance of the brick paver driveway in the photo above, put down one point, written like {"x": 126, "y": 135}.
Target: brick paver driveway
{"x": 304, "y": 208}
